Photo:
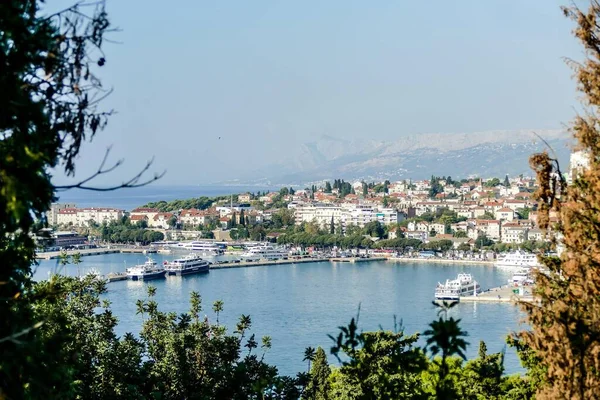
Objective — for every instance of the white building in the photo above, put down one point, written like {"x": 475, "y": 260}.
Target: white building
{"x": 514, "y": 234}
{"x": 318, "y": 212}
{"x": 86, "y": 216}
{"x": 346, "y": 214}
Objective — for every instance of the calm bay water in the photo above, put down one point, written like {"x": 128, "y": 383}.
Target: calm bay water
{"x": 299, "y": 304}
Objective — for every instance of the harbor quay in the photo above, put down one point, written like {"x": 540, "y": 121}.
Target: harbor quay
{"x": 502, "y": 294}
{"x": 120, "y": 276}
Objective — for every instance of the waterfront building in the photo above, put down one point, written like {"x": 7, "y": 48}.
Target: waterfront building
{"x": 87, "y": 216}
{"x": 67, "y": 239}
{"x": 321, "y": 213}
{"x": 52, "y": 214}
{"x": 345, "y": 214}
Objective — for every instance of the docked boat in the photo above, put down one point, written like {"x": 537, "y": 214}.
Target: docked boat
{"x": 190, "y": 264}
{"x": 206, "y": 249}
{"x": 517, "y": 259}
{"x": 453, "y": 289}
{"x": 94, "y": 275}
{"x": 521, "y": 277}
{"x": 147, "y": 271}
{"x": 266, "y": 252}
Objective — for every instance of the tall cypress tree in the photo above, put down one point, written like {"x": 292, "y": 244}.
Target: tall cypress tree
{"x": 318, "y": 384}
{"x": 332, "y": 226}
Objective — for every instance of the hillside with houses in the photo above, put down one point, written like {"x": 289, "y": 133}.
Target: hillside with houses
{"x": 468, "y": 213}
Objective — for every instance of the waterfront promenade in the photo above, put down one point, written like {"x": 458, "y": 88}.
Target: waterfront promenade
{"x": 436, "y": 260}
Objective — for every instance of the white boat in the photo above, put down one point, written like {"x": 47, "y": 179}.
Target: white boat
{"x": 163, "y": 250}
{"x": 95, "y": 275}
{"x": 520, "y": 277}
{"x": 147, "y": 271}
{"x": 453, "y": 289}
{"x": 206, "y": 249}
{"x": 517, "y": 259}
{"x": 265, "y": 251}
{"x": 190, "y": 264}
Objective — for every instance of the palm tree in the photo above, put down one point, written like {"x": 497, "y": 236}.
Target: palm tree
{"x": 445, "y": 337}
{"x": 217, "y": 308}
{"x": 309, "y": 355}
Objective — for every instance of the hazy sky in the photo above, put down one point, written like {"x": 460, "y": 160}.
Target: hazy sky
{"x": 267, "y": 75}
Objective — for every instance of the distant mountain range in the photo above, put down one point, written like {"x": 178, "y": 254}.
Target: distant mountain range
{"x": 486, "y": 154}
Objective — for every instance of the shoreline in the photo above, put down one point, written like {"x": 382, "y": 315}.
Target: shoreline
{"x": 441, "y": 261}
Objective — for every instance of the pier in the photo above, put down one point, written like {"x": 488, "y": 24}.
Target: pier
{"x": 242, "y": 264}
{"x": 49, "y": 255}
{"x": 83, "y": 252}
{"x": 138, "y": 250}
{"x": 502, "y": 294}
{"x": 356, "y": 259}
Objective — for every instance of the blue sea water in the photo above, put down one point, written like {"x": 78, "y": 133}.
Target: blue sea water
{"x": 299, "y": 304}
{"x": 128, "y": 199}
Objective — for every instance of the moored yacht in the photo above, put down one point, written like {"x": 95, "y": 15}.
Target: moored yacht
{"x": 190, "y": 264}
{"x": 521, "y": 277}
{"x": 206, "y": 249}
{"x": 147, "y": 271}
{"x": 517, "y": 259}
{"x": 453, "y": 289}
{"x": 264, "y": 251}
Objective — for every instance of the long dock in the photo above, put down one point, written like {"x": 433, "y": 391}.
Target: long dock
{"x": 83, "y": 252}
{"x": 356, "y": 259}
{"x": 242, "y": 264}
{"x": 94, "y": 252}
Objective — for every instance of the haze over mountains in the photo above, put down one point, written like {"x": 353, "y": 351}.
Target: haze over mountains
{"x": 493, "y": 153}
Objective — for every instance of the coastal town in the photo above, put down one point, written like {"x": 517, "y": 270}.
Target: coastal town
{"x": 463, "y": 214}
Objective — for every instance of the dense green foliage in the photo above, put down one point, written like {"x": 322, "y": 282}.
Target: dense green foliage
{"x": 174, "y": 357}
{"x": 124, "y": 232}
{"x": 200, "y": 203}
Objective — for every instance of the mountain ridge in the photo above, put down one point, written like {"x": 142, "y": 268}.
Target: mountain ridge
{"x": 416, "y": 156}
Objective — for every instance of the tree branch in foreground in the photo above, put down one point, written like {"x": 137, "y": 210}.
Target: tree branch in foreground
{"x": 135, "y": 181}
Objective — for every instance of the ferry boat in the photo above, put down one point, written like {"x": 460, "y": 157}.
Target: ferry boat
{"x": 147, "y": 271}
{"x": 517, "y": 259}
{"x": 453, "y": 289}
{"x": 264, "y": 251}
{"x": 190, "y": 264}
{"x": 206, "y": 249}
